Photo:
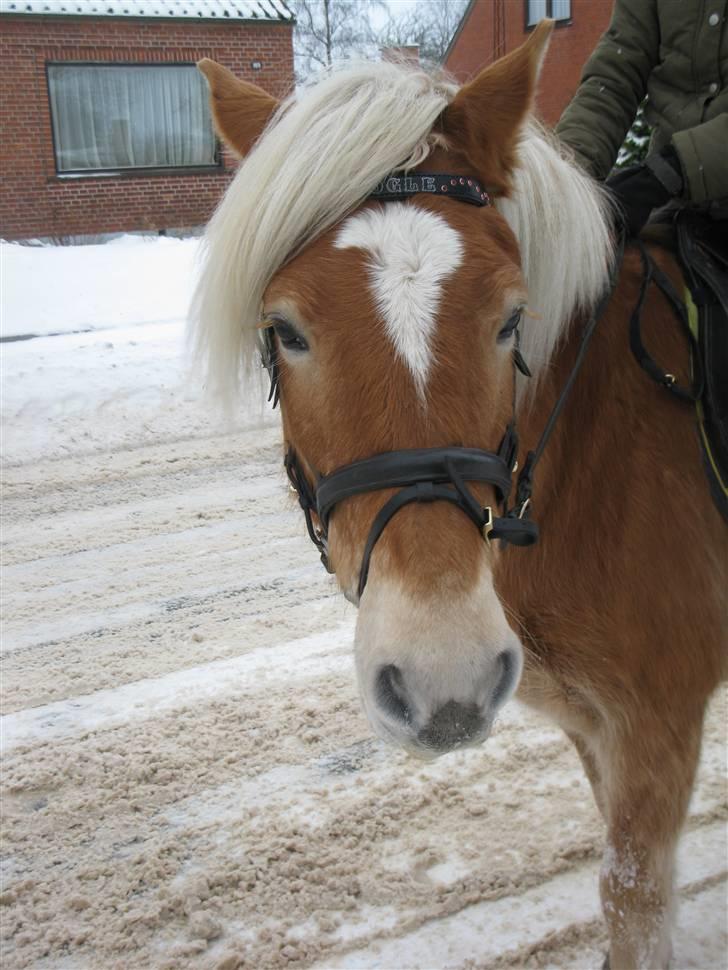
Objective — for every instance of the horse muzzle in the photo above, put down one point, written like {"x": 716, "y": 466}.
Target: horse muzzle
{"x": 403, "y": 713}
{"x": 433, "y": 677}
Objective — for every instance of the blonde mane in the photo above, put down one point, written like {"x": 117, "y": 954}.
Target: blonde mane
{"x": 561, "y": 219}
{"x": 324, "y": 151}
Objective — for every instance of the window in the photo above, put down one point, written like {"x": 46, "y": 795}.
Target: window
{"x": 112, "y": 117}
{"x": 536, "y": 10}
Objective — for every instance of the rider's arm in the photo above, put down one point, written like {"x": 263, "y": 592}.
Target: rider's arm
{"x": 612, "y": 86}
{"x": 702, "y": 152}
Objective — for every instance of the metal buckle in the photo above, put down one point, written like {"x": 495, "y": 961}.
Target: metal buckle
{"x": 487, "y": 526}
{"x": 523, "y": 508}
{"x": 323, "y": 547}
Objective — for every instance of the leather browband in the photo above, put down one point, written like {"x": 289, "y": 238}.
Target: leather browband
{"x": 401, "y": 185}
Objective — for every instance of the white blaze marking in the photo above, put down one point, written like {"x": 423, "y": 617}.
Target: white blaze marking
{"x": 413, "y": 251}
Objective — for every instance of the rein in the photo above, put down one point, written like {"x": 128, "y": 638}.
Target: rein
{"x": 651, "y": 273}
{"x": 432, "y": 474}
{"x": 524, "y": 486}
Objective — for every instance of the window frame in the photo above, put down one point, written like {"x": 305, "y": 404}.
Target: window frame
{"x": 214, "y": 168}
{"x": 561, "y": 22}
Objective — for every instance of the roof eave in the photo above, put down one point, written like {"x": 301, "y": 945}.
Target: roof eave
{"x": 466, "y": 14}
{"x": 271, "y": 22}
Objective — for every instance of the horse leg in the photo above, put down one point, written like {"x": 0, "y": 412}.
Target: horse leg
{"x": 592, "y": 772}
{"x": 591, "y": 768}
{"x": 647, "y": 776}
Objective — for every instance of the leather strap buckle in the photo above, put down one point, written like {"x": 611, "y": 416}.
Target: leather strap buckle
{"x": 487, "y": 526}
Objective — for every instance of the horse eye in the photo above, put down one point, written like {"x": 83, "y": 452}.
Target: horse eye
{"x": 289, "y": 337}
{"x": 510, "y": 325}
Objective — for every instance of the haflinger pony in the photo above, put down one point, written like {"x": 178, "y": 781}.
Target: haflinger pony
{"x": 397, "y": 249}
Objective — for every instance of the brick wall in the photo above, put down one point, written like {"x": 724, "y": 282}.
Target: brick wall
{"x": 494, "y": 27}
{"x": 474, "y": 46}
{"x": 34, "y": 200}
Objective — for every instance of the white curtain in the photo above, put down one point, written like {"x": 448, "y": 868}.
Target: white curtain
{"x": 561, "y": 9}
{"x": 115, "y": 116}
{"x": 536, "y": 11}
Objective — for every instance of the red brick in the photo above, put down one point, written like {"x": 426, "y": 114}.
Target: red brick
{"x": 495, "y": 27}
{"x": 33, "y": 200}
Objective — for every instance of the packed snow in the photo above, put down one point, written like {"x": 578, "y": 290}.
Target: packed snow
{"x": 188, "y": 779}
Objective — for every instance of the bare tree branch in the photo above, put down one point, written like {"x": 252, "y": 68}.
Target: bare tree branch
{"x": 332, "y": 30}
{"x": 429, "y": 25}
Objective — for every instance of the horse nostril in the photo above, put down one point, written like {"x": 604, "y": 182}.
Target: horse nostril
{"x": 391, "y": 693}
{"x": 506, "y": 680}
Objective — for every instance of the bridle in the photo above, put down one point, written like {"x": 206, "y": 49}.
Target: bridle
{"x": 429, "y": 474}
{"x": 421, "y": 475}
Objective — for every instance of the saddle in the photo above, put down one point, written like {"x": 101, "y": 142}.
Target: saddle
{"x": 701, "y": 245}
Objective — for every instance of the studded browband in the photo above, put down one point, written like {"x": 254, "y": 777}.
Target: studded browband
{"x": 401, "y": 185}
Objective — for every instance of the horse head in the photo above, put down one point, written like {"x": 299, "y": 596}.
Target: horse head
{"x": 391, "y": 327}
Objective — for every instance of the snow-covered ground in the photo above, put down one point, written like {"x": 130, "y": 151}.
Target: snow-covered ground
{"x": 188, "y": 779}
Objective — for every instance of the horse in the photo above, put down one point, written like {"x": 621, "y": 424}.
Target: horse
{"x": 402, "y": 253}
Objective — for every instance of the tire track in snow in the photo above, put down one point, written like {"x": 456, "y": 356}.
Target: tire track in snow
{"x": 546, "y": 915}
{"x": 104, "y": 710}
{"x": 202, "y": 802}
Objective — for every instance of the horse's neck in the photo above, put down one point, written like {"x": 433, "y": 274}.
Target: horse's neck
{"x": 581, "y": 426}
{"x": 615, "y": 438}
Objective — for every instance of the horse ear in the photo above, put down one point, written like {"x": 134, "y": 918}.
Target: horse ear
{"x": 241, "y": 110}
{"x": 485, "y": 117}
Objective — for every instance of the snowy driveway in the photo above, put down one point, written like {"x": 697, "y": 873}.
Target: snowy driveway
{"x": 188, "y": 778}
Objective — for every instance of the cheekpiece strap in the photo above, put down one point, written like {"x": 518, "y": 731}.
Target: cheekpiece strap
{"x": 401, "y": 185}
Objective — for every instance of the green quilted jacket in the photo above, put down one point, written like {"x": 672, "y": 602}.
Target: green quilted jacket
{"x": 676, "y": 52}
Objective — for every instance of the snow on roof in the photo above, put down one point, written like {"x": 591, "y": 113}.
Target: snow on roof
{"x": 188, "y": 9}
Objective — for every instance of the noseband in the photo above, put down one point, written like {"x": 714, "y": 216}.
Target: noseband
{"x": 421, "y": 475}
{"x": 429, "y": 474}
